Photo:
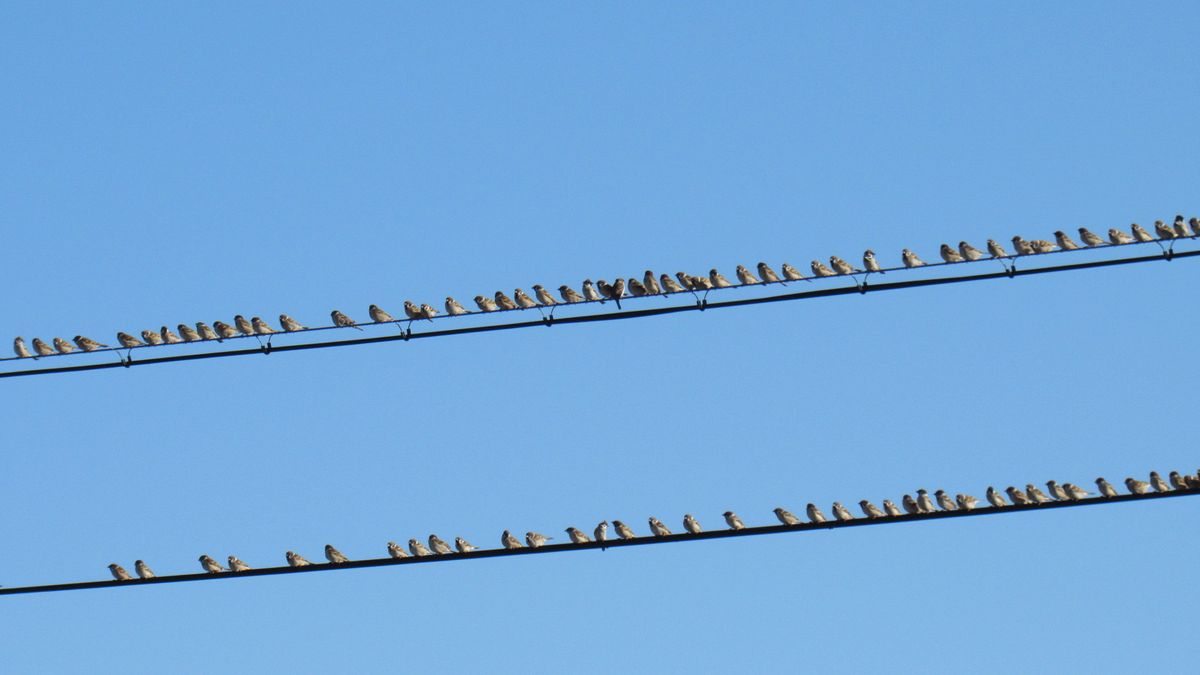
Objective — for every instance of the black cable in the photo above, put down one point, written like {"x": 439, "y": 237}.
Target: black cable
{"x": 701, "y": 304}
{"x": 617, "y": 543}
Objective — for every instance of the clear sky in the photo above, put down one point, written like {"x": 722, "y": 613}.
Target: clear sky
{"x": 164, "y": 163}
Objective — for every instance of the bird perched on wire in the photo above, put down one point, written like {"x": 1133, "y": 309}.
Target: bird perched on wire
{"x": 1074, "y": 492}
{"x": 950, "y": 255}
{"x": 509, "y": 541}
{"x": 569, "y": 294}
{"x": 151, "y": 338}
{"x": 543, "y": 295}
{"x": 296, "y": 560}
{"x": 342, "y": 320}
{"x": 658, "y": 528}
{"x": 486, "y": 304}
{"x": 995, "y": 249}
{"x": 1137, "y": 487}
{"x": 1105, "y": 488}
{"x": 995, "y": 499}
{"x": 1036, "y": 495}
{"x": 1056, "y": 490}
{"x": 745, "y": 277}
{"x": 42, "y": 348}
{"x": 791, "y": 273}
{"x": 463, "y": 545}
{"x": 601, "y": 531}
{"x": 211, "y": 566}
{"x": 589, "y": 291}
{"x": 965, "y": 502}
{"x": 503, "y": 301}
{"x": 523, "y": 300}
{"x": 768, "y": 275}
{"x": 700, "y": 283}
{"x": 119, "y": 572}
{"x": 814, "y": 513}
{"x": 334, "y": 556}
{"x": 841, "y": 266}
{"x": 86, "y": 344}
{"x": 910, "y": 259}
{"x": 186, "y": 332}
{"x": 261, "y": 327}
{"x": 236, "y": 564}
{"x": 718, "y": 280}
{"x": 64, "y": 347}
{"x": 1118, "y": 237}
{"x": 890, "y": 508}
{"x": 969, "y": 252}
{"x": 871, "y": 263}
{"x": 428, "y": 312}
{"x": 243, "y": 325}
{"x": 944, "y": 501}
{"x": 1023, "y": 247}
{"x": 577, "y": 537}
{"x": 438, "y": 546}
{"x": 910, "y": 505}
{"x": 168, "y": 336}
{"x": 691, "y": 524}
{"x": 536, "y": 539}
{"x": 453, "y": 308}
{"x": 22, "y": 351}
{"x": 841, "y": 512}
{"x": 1163, "y": 230}
{"x": 821, "y": 270}
{"x": 1090, "y": 238}
{"x": 395, "y": 550}
{"x": 1181, "y": 228}
{"x": 1177, "y": 481}
{"x": 1064, "y": 241}
{"x": 412, "y": 310}
{"x": 669, "y": 285}
{"x": 127, "y": 340}
{"x": 289, "y": 324}
{"x": 1140, "y": 233}
{"x": 785, "y": 516}
{"x": 1042, "y": 246}
{"x": 143, "y": 570}
{"x": 732, "y": 520}
{"x": 1017, "y": 496}
{"x": 418, "y": 549}
{"x": 1158, "y": 483}
{"x": 924, "y": 503}
{"x": 623, "y": 530}
{"x": 636, "y": 289}
{"x": 379, "y": 315}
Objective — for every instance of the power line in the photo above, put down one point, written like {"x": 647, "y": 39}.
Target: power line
{"x": 617, "y": 543}
{"x": 702, "y": 304}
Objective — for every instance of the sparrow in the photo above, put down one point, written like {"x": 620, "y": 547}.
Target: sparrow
{"x": 261, "y": 327}
{"x": 910, "y": 505}
{"x": 413, "y": 311}
{"x": 395, "y": 550}
{"x": 589, "y": 291}
{"x": 1136, "y": 487}
{"x": 149, "y": 336}
{"x": 86, "y": 343}
{"x": 296, "y": 560}
{"x": 236, "y": 564}
{"x": 969, "y": 252}
{"x": 453, "y": 308}
{"x": 418, "y": 549}
{"x": 623, "y": 530}
{"x": 340, "y": 319}
{"x": 768, "y": 275}
{"x": 211, "y": 566}
{"x": 168, "y": 336}
{"x": 1056, "y": 490}
{"x": 439, "y": 547}
{"x": 127, "y": 340}
{"x": 65, "y": 347}
{"x": 378, "y": 315}
{"x": 618, "y": 289}
{"x": 1074, "y": 492}
{"x": 890, "y": 508}
{"x": 950, "y": 255}
{"x": 22, "y": 351}
{"x": 924, "y": 503}
{"x": 700, "y": 283}
{"x": 732, "y": 520}
{"x": 1118, "y": 237}
{"x": 1064, "y": 241}
{"x": 42, "y": 348}
{"x": 509, "y": 541}
{"x": 786, "y": 516}
{"x": 223, "y": 329}
{"x": 691, "y": 524}
{"x": 485, "y": 304}
{"x": 658, "y": 528}
{"x": 1091, "y": 238}
{"x": 651, "y": 283}
{"x": 1140, "y": 233}
{"x": 207, "y": 333}
{"x": 1181, "y": 228}
{"x": 1023, "y": 247}
{"x": 870, "y": 262}
{"x": 814, "y": 514}
{"x": 745, "y": 276}
{"x": 143, "y": 570}
{"x": 945, "y": 501}
{"x": 504, "y": 302}
{"x": 821, "y": 270}
{"x": 965, "y": 502}
{"x": 119, "y": 572}
{"x": 1163, "y": 230}
{"x": 523, "y": 300}
{"x": 536, "y": 540}
{"x": 669, "y": 285}
{"x": 869, "y": 509}
{"x": 1177, "y": 481}
{"x": 910, "y": 259}
{"x": 718, "y": 280}
{"x": 577, "y": 537}
{"x": 334, "y": 556}
{"x": 1016, "y": 495}
{"x": 841, "y": 266}
{"x": 289, "y": 324}
{"x": 601, "y": 531}
{"x": 791, "y": 273}
{"x": 840, "y": 512}
{"x": 543, "y": 295}
{"x": 428, "y": 312}
{"x": 568, "y": 294}
{"x": 995, "y": 499}
{"x": 636, "y": 289}
{"x": 1035, "y": 495}
{"x": 1158, "y": 483}
{"x": 1105, "y": 488}
{"x": 243, "y": 325}
{"x": 463, "y": 545}
{"x": 188, "y": 333}
{"x": 1042, "y": 246}
{"x": 996, "y": 249}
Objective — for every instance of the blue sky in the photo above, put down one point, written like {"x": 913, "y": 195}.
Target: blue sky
{"x": 167, "y": 164}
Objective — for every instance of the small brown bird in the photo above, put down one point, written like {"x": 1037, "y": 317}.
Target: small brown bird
{"x": 243, "y": 325}
{"x": 701, "y": 283}
{"x": 768, "y": 275}
{"x": 618, "y": 288}
{"x": 296, "y": 560}
{"x": 168, "y": 336}
{"x": 223, "y": 329}
{"x": 543, "y": 295}
{"x": 995, "y": 499}
{"x": 718, "y": 280}
{"x": 658, "y": 528}
{"x": 636, "y": 289}
{"x": 341, "y": 320}
{"x": 412, "y": 310}
{"x": 786, "y": 517}
{"x": 378, "y": 315}
{"x": 568, "y": 294}
{"x": 334, "y": 556}
{"x": 453, "y": 308}
{"x": 1118, "y": 237}
{"x": 950, "y": 255}
{"x": 1042, "y": 246}
{"x": 841, "y": 266}
{"x": 601, "y": 531}
{"x": 1074, "y": 492}
{"x": 188, "y": 333}
{"x": 42, "y": 348}
{"x": 211, "y": 566}
{"x": 944, "y": 501}
{"x": 910, "y": 259}
{"x": 791, "y": 273}
{"x": 1181, "y": 228}
{"x": 438, "y": 546}
{"x": 969, "y": 252}
{"x": 669, "y": 285}
{"x": 1016, "y": 495}
{"x": 428, "y": 312}
{"x": 890, "y": 508}
{"x": 464, "y": 546}
{"x": 509, "y": 541}
{"x": 577, "y": 537}
{"x": 1023, "y": 247}
{"x": 814, "y": 513}
{"x": 871, "y": 263}
{"x": 486, "y": 304}
{"x": 996, "y": 249}
{"x": 395, "y": 550}
{"x": 869, "y": 509}
{"x": 732, "y": 520}
{"x": 1177, "y": 481}
{"x": 841, "y": 512}
{"x": 910, "y": 505}
{"x": 965, "y": 502}
{"x": 589, "y": 291}
{"x": 1056, "y": 490}
{"x": 127, "y": 340}
{"x": 1106, "y": 488}
{"x": 821, "y": 270}
{"x": 651, "y": 284}
{"x": 1163, "y": 230}
{"x": 291, "y": 325}
{"x": 151, "y": 337}
{"x": 523, "y": 300}
{"x": 1140, "y": 233}
{"x": 1064, "y": 241}
{"x": 691, "y": 524}
{"x": 1137, "y": 487}
{"x": 119, "y": 572}
{"x": 236, "y": 564}
{"x": 418, "y": 549}
{"x": 536, "y": 539}
{"x": 65, "y": 347}
{"x": 1158, "y": 483}
{"x": 924, "y": 502}
{"x": 623, "y": 530}
{"x": 86, "y": 343}
{"x": 1035, "y": 494}
{"x": 206, "y": 332}
{"x": 1091, "y": 238}
{"x": 504, "y": 302}
{"x": 261, "y": 327}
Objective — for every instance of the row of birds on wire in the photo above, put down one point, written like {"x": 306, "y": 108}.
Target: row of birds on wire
{"x": 922, "y": 503}
{"x": 601, "y": 290}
